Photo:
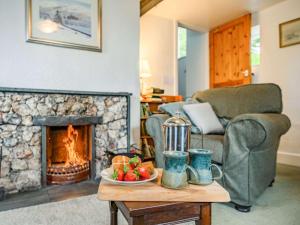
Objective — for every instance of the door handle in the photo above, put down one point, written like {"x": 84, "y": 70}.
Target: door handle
{"x": 245, "y": 73}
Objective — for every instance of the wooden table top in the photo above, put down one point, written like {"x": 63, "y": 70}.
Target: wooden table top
{"x": 154, "y": 192}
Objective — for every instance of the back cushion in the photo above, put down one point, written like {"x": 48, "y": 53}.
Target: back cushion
{"x": 230, "y": 102}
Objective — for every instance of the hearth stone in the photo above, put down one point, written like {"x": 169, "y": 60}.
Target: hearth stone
{"x": 21, "y": 137}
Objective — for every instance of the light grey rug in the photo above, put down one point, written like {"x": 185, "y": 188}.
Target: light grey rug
{"x": 279, "y": 205}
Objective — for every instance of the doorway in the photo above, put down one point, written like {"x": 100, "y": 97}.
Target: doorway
{"x": 193, "y": 61}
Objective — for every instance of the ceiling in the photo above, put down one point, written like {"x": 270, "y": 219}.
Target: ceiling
{"x": 203, "y": 15}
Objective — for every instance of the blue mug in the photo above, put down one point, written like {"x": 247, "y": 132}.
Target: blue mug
{"x": 200, "y": 160}
{"x": 174, "y": 174}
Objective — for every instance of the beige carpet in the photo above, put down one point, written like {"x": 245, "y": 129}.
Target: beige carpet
{"x": 279, "y": 205}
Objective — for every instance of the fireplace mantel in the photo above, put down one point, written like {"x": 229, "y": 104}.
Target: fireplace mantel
{"x": 66, "y": 120}
{"x": 67, "y": 92}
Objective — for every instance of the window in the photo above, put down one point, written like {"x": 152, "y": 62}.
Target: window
{"x": 255, "y": 46}
{"x": 182, "y": 34}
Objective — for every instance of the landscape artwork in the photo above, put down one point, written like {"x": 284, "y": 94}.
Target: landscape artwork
{"x": 66, "y": 23}
{"x": 290, "y": 33}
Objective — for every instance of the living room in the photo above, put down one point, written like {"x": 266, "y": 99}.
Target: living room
{"x": 95, "y": 85}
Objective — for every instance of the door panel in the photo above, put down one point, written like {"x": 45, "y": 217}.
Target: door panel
{"x": 230, "y": 53}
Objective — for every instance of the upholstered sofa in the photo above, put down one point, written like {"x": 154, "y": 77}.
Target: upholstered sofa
{"x": 253, "y": 122}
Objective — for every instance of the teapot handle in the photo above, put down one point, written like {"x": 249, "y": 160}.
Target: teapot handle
{"x": 219, "y": 170}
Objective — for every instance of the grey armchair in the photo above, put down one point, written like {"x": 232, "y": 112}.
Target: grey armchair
{"x": 247, "y": 151}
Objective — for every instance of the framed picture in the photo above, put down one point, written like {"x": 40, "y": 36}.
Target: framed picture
{"x": 65, "y": 23}
{"x": 289, "y": 33}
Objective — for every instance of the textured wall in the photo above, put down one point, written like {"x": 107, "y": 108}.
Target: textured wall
{"x": 20, "y": 140}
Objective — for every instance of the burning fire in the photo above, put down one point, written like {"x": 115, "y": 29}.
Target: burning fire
{"x": 73, "y": 158}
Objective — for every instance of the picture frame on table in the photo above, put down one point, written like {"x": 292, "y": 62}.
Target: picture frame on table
{"x": 289, "y": 33}
{"x": 65, "y": 23}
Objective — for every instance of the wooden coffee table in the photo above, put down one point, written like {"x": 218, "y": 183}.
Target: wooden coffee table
{"x": 150, "y": 203}
{"x": 142, "y": 213}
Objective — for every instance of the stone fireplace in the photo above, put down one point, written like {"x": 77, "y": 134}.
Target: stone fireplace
{"x": 59, "y": 137}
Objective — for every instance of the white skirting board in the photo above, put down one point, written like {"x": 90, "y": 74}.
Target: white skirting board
{"x": 292, "y": 159}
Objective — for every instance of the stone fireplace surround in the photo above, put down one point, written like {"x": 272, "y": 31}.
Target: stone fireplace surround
{"x": 24, "y": 114}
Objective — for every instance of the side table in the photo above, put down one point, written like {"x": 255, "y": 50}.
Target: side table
{"x": 150, "y": 213}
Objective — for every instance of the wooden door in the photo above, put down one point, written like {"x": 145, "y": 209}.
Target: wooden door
{"x": 230, "y": 53}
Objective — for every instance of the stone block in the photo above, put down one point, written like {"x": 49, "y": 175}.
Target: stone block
{"x": 108, "y": 117}
{"x": 5, "y": 167}
{"x": 11, "y": 118}
{"x": 27, "y": 135}
{"x": 18, "y": 165}
{"x": 36, "y": 139}
{"x": 28, "y": 180}
{"x": 27, "y": 121}
{"x": 5, "y": 106}
{"x": 21, "y": 109}
{"x": 10, "y": 142}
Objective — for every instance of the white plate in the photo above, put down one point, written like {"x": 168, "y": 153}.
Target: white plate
{"x": 107, "y": 175}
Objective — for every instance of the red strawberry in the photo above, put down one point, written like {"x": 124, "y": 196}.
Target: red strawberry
{"x": 134, "y": 162}
{"x": 118, "y": 175}
{"x": 143, "y": 172}
{"x": 131, "y": 175}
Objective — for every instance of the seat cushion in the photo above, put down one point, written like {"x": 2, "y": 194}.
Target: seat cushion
{"x": 211, "y": 142}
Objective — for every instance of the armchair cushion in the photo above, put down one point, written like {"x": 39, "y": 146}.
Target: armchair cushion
{"x": 204, "y": 117}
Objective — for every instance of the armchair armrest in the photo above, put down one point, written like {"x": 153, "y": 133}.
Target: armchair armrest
{"x": 154, "y": 128}
{"x": 252, "y": 130}
{"x": 278, "y": 123}
{"x": 250, "y": 151}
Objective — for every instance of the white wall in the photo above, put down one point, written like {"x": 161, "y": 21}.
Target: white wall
{"x": 197, "y": 62}
{"x": 30, "y": 65}
{"x": 282, "y": 66}
{"x": 158, "y": 45}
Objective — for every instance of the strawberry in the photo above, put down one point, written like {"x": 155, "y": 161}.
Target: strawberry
{"x": 134, "y": 162}
{"x": 118, "y": 175}
{"x": 143, "y": 172}
{"x": 131, "y": 175}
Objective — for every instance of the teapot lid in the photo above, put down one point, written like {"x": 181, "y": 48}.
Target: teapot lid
{"x": 177, "y": 121}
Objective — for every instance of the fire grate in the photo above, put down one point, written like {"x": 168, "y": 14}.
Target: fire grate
{"x": 59, "y": 174}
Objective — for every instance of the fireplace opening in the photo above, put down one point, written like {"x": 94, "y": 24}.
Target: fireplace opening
{"x": 68, "y": 154}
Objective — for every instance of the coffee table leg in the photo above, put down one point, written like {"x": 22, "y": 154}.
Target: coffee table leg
{"x": 205, "y": 214}
{"x": 113, "y": 213}
{"x": 137, "y": 220}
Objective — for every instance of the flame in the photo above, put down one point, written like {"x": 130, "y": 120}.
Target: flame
{"x": 73, "y": 158}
